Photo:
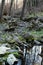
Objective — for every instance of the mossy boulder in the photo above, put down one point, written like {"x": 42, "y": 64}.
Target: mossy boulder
{"x": 17, "y": 54}
{"x": 28, "y": 37}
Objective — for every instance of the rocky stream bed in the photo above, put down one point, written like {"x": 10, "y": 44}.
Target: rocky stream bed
{"x": 14, "y": 33}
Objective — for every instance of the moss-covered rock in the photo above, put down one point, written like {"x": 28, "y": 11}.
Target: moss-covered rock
{"x": 16, "y": 54}
{"x": 28, "y": 37}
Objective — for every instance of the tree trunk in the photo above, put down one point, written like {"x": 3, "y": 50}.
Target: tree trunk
{"x": 22, "y": 13}
{"x": 10, "y": 7}
{"x": 16, "y": 4}
{"x": 1, "y": 11}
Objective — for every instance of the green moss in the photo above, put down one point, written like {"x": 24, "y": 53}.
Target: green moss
{"x": 37, "y": 34}
{"x": 34, "y": 14}
{"x": 0, "y": 63}
{"x": 4, "y": 57}
{"x": 21, "y": 38}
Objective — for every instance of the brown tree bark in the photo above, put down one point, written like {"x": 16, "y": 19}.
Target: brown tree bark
{"x": 1, "y": 11}
{"x": 10, "y": 7}
{"x": 22, "y": 13}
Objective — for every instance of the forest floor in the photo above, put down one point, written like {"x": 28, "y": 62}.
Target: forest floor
{"x": 14, "y": 31}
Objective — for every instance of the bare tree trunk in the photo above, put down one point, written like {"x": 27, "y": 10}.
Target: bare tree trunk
{"x": 22, "y": 13}
{"x": 16, "y": 4}
{"x": 30, "y": 7}
{"x": 1, "y": 11}
{"x": 10, "y": 7}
